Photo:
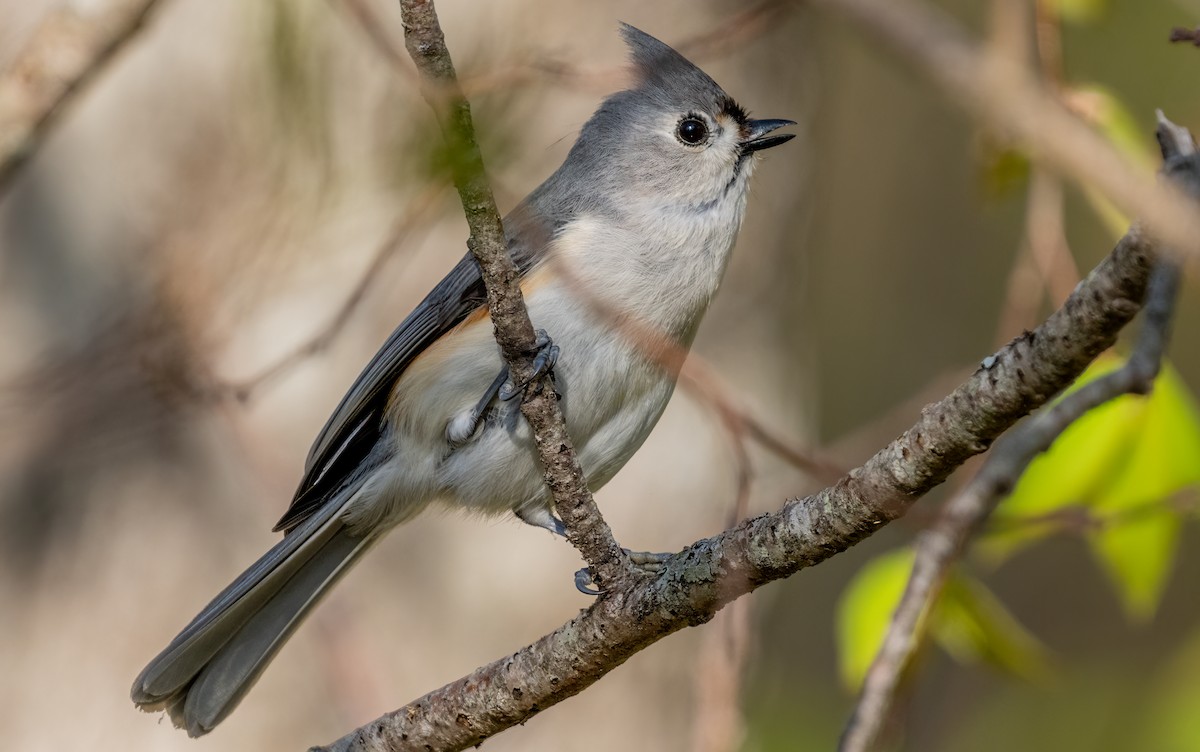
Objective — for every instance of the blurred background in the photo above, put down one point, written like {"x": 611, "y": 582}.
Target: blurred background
{"x": 213, "y": 202}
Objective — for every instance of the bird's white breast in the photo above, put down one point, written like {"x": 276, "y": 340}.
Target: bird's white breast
{"x": 613, "y": 385}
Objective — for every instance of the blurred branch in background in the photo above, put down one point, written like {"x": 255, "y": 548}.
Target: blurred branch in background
{"x": 943, "y": 543}
{"x": 722, "y": 39}
{"x": 64, "y": 56}
{"x": 1044, "y": 267}
{"x": 1008, "y": 99}
{"x": 415, "y": 220}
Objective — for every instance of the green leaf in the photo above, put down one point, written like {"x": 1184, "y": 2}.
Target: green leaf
{"x": 1083, "y": 459}
{"x": 974, "y": 626}
{"x": 1137, "y": 544}
{"x": 1137, "y": 556}
{"x": 1122, "y": 462}
{"x": 865, "y": 611}
{"x": 968, "y": 621}
{"x": 1172, "y": 722}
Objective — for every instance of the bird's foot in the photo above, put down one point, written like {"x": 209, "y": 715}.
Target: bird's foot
{"x": 647, "y": 562}
{"x": 543, "y": 363}
{"x": 464, "y": 425}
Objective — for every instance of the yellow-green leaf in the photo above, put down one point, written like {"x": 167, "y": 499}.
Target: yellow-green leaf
{"x": 973, "y": 625}
{"x": 1174, "y": 695}
{"x": 1137, "y": 544}
{"x": 968, "y": 621}
{"x": 1137, "y": 556}
{"x": 865, "y": 611}
{"x": 1083, "y": 459}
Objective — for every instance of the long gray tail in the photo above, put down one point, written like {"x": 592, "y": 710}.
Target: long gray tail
{"x": 204, "y": 673}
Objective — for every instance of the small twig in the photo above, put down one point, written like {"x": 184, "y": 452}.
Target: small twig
{"x": 1048, "y": 38}
{"x": 939, "y": 547}
{"x": 1179, "y": 34}
{"x": 727, "y": 35}
{"x": 1044, "y": 267}
{"x": 414, "y": 218}
{"x": 718, "y": 679}
{"x": 374, "y": 30}
{"x": 701, "y": 382}
{"x": 586, "y": 528}
{"x": 66, "y": 54}
{"x": 1008, "y": 30}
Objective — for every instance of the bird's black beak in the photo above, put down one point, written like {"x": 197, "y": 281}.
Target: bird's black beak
{"x": 756, "y": 134}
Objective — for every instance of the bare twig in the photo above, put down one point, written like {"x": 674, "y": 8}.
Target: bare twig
{"x": 413, "y": 219}
{"x": 1179, "y": 34}
{"x": 940, "y": 546}
{"x": 1044, "y": 267}
{"x": 62, "y": 58}
{"x": 720, "y": 665}
{"x": 1048, "y": 35}
{"x": 702, "y": 383}
{"x": 727, "y": 35}
{"x": 1008, "y": 30}
{"x": 586, "y": 528}
{"x": 371, "y": 27}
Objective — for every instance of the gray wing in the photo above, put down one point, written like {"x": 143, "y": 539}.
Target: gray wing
{"x": 350, "y": 434}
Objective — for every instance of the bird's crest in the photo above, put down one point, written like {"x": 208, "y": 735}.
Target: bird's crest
{"x": 658, "y": 66}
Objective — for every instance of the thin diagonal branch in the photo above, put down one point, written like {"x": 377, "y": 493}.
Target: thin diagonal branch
{"x": 940, "y": 546}
{"x": 66, "y": 54}
{"x": 586, "y": 528}
{"x": 412, "y": 219}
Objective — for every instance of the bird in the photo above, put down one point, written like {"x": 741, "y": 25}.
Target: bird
{"x": 640, "y": 219}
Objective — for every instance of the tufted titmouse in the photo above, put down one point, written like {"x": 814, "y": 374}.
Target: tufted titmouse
{"x": 642, "y": 216}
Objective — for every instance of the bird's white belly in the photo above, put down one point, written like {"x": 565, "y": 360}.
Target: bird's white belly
{"x": 611, "y": 398}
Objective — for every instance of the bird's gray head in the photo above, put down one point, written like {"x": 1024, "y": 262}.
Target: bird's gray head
{"x": 674, "y": 139}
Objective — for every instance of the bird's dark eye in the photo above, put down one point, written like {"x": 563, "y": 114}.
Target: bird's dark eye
{"x": 691, "y": 130}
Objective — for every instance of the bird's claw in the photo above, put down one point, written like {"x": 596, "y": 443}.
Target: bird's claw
{"x": 543, "y": 363}
{"x": 648, "y": 562}
{"x": 584, "y": 582}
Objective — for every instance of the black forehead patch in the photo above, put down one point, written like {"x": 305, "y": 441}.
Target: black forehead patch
{"x": 735, "y": 111}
